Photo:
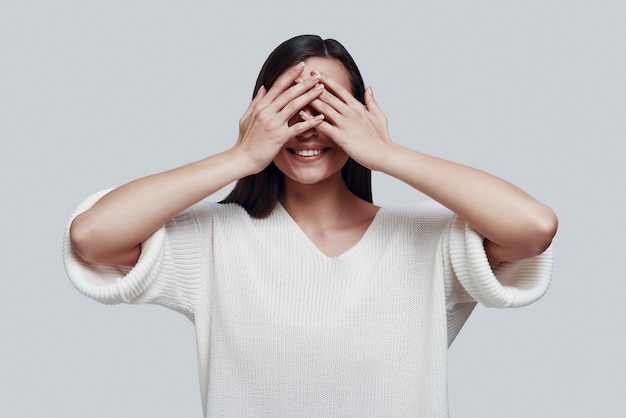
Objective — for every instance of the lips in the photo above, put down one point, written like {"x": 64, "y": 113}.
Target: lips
{"x": 307, "y": 152}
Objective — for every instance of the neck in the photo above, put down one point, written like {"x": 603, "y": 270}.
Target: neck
{"x": 326, "y": 203}
{"x": 331, "y": 216}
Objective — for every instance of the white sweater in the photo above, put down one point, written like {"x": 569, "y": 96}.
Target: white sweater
{"x": 285, "y": 331}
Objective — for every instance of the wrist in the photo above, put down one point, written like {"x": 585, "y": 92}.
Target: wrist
{"x": 387, "y": 158}
{"x": 243, "y": 162}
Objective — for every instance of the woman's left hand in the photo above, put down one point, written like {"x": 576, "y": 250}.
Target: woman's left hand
{"x": 514, "y": 225}
{"x": 360, "y": 130}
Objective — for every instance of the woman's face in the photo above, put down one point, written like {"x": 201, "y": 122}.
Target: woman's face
{"x": 313, "y": 157}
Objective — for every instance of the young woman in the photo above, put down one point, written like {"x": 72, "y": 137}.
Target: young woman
{"x": 308, "y": 299}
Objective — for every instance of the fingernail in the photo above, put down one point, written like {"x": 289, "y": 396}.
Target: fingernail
{"x": 370, "y": 90}
{"x": 299, "y": 67}
{"x": 298, "y": 80}
{"x": 319, "y": 86}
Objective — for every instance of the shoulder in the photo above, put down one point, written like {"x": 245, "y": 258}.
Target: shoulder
{"x": 207, "y": 210}
{"x": 416, "y": 226}
{"x": 428, "y": 215}
{"x": 205, "y": 219}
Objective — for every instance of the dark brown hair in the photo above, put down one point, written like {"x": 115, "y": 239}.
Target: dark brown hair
{"x": 259, "y": 193}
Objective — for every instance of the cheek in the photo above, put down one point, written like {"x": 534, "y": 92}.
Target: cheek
{"x": 342, "y": 154}
{"x": 341, "y": 158}
{"x": 279, "y": 161}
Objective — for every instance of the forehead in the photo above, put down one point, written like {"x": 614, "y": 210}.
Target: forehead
{"x": 331, "y": 67}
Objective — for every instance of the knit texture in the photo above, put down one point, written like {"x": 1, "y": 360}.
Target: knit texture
{"x": 285, "y": 331}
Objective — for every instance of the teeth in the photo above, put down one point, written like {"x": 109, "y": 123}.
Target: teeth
{"x": 307, "y": 152}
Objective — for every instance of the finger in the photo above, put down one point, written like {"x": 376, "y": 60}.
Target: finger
{"x": 260, "y": 94}
{"x": 331, "y": 114}
{"x": 294, "y": 98}
{"x": 286, "y": 105}
{"x": 308, "y": 122}
{"x": 285, "y": 81}
{"x": 371, "y": 104}
{"x": 257, "y": 98}
{"x": 325, "y": 128}
{"x": 333, "y": 101}
{"x": 339, "y": 91}
{"x": 300, "y": 102}
{"x": 305, "y": 115}
{"x": 300, "y": 79}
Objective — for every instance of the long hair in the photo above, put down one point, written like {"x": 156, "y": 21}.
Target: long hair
{"x": 259, "y": 193}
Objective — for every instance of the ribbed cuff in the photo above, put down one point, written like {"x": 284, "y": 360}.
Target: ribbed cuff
{"x": 110, "y": 284}
{"x": 511, "y": 284}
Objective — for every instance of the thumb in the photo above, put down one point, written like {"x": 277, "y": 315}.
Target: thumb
{"x": 260, "y": 94}
{"x": 370, "y": 103}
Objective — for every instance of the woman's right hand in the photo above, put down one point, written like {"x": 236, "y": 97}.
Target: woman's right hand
{"x": 112, "y": 230}
{"x": 264, "y": 128}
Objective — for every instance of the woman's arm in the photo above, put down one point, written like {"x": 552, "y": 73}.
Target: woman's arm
{"x": 514, "y": 224}
{"x": 112, "y": 230}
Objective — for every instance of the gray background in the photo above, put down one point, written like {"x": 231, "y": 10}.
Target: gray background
{"x": 95, "y": 93}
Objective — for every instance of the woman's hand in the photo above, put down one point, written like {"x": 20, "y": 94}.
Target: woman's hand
{"x": 514, "y": 224}
{"x": 264, "y": 128}
{"x": 111, "y": 231}
{"x": 360, "y": 130}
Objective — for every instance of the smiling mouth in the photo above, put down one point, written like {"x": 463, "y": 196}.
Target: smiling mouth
{"x": 308, "y": 152}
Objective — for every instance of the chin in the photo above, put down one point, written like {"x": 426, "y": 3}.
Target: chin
{"x": 313, "y": 174}
{"x": 307, "y": 180}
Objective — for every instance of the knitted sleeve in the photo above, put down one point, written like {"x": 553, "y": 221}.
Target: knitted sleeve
{"x": 470, "y": 278}
{"x": 167, "y": 273}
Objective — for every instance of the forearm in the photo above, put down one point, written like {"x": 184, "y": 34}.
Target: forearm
{"x": 514, "y": 224}
{"x": 113, "y": 228}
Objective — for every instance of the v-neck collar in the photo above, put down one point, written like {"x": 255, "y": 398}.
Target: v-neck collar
{"x": 293, "y": 226}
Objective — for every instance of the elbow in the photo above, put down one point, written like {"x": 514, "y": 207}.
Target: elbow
{"x": 94, "y": 245}
{"x": 533, "y": 235}
{"x": 528, "y": 236}
{"x": 542, "y": 232}
{"x": 82, "y": 239}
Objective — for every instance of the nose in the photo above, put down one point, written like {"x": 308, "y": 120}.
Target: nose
{"x": 311, "y": 133}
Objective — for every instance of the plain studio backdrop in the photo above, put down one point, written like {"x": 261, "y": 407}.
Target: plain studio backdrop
{"x": 94, "y": 94}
